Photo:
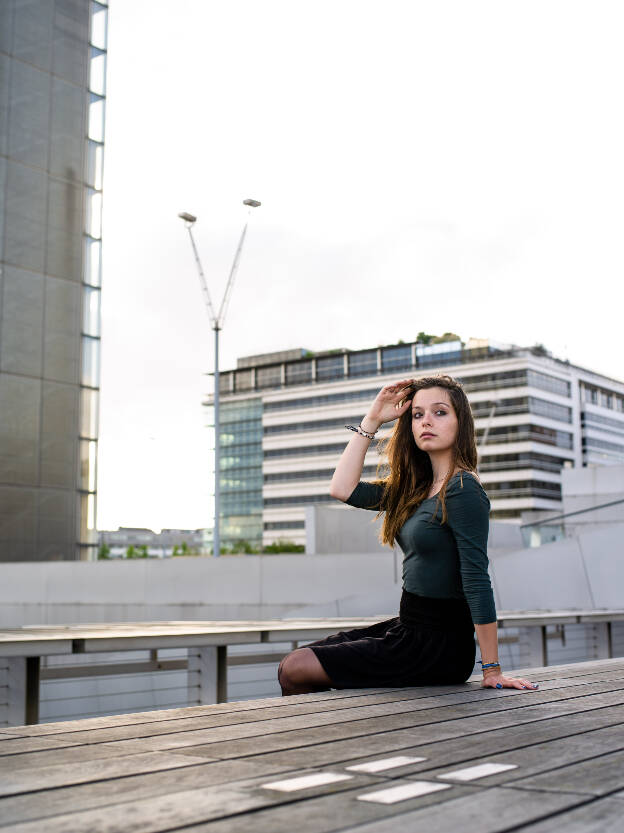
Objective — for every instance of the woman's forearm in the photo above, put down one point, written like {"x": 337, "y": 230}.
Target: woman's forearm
{"x": 488, "y": 643}
{"x": 349, "y": 469}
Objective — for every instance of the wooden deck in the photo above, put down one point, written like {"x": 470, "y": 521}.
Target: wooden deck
{"x": 460, "y": 759}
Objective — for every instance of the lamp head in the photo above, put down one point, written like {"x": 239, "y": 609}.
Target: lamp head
{"x": 252, "y": 203}
{"x": 188, "y": 218}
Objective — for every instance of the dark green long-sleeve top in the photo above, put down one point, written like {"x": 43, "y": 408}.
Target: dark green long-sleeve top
{"x": 450, "y": 560}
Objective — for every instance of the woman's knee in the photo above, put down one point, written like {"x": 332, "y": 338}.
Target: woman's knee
{"x": 299, "y": 668}
{"x": 291, "y": 671}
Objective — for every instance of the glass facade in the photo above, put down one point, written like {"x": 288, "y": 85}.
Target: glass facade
{"x": 329, "y": 368}
{"x": 312, "y": 425}
{"x": 52, "y": 97}
{"x": 522, "y": 433}
{"x": 240, "y": 445}
{"x": 394, "y": 359}
{"x": 363, "y": 364}
{"x": 318, "y": 474}
{"x": 504, "y": 489}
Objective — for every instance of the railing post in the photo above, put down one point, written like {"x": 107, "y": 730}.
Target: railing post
{"x": 209, "y": 665}
{"x": 22, "y": 686}
{"x": 33, "y": 665}
{"x": 536, "y": 646}
{"x": 604, "y": 644}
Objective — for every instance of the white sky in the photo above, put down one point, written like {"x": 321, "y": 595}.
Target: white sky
{"x": 422, "y": 166}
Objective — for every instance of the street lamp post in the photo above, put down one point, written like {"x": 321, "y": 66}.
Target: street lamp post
{"x": 217, "y": 325}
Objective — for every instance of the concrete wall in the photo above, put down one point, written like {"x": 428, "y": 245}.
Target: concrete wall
{"x": 235, "y": 587}
{"x": 338, "y": 529}
{"x": 582, "y": 572}
{"x": 592, "y": 486}
{"x": 342, "y": 529}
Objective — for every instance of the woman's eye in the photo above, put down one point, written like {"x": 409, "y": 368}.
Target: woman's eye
{"x": 418, "y": 414}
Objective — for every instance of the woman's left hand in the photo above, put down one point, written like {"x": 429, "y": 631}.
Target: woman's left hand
{"x": 499, "y": 681}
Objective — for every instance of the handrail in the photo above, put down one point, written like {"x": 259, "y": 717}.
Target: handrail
{"x": 569, "y": 514}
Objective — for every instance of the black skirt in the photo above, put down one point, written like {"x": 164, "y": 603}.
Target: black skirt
{"x": 430, "y": 642}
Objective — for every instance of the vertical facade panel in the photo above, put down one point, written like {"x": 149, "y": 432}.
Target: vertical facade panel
{"x": 51, "y": 74}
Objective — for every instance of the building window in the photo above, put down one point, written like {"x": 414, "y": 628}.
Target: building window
{"x": 329, "y": 367}
{"x": 549, "y": 383}
{"x": 550, "y": 409}
{"x": 363, "y": 364}
{"x": 269, "y": 377}
{"x": 225, "y": 382}
{"x": 591, "y": 395}
{"x": 243, "y": 380}
{"x": 396, "y": 358}
{"x": 298, "y": 373}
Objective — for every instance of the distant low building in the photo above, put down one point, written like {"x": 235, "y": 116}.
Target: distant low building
{"x": 282, "y": 420}
{"x": 163, "y": 544}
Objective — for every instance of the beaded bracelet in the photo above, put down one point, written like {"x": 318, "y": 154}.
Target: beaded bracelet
{"x": 488, "y": 664}
{"x": 360, "y": 430}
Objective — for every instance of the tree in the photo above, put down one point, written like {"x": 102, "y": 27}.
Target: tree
{"x": 423, "y": 338}
{"x": 283, "y": 545}
{"x": 137, "y": 552}
{"x": 445, "y": 337}
{"x": 539, "y": 350}
{"x": 104, "y": 551}
{"x": 243, "y": 547}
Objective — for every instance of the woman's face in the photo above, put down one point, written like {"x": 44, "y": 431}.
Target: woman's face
{"x": 433, "y": 414}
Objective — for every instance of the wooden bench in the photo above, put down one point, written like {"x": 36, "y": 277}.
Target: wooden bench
{"x": 453, "y": 759}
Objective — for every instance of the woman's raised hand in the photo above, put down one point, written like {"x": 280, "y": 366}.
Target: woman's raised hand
{"x": 390, "y": 403}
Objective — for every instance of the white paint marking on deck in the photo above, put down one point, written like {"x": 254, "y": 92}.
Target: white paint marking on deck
{"x": 403, "y": 792}
{"x": 473, "y": 772}
{"x": 384, "y": 763}
{"x": 304, "y": 782}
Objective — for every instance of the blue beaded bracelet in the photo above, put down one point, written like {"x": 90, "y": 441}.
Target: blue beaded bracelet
{"x": 488, "y": 664}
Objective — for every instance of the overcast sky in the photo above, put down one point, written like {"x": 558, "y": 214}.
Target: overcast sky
{"x": 421, "y": 166}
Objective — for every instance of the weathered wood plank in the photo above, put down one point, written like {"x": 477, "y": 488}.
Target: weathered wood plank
{"x": 539, "y": 766}
{"x": 94, "y": 794}
{"x": 416, "y": 723}
{"x": 66, "y": 775}
{"x": 451, "y": 811}
{"x": 599, "y": 775}
{"x": 159, "y": 812}
{"x": 447, "y": 752}
{"x": 18, "y": 745}
{"x": 602, "y": 816}
{"x": 155, "y": 715}
{"x": 501, "y": 810}
{"x": 75, "y": 753}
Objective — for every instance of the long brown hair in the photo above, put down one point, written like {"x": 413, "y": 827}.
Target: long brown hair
{"x": 410, "y": 474}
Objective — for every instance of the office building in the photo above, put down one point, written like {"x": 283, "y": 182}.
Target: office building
{"x": 52, "y": 97}
{"x": 164, "y": 544}
{"x": 283, "y": 416}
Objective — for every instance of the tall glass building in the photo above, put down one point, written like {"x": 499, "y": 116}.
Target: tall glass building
{"x": 52, "y": 99}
